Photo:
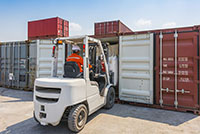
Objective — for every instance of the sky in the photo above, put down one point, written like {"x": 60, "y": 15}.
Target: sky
{"x": 82, "y": 14}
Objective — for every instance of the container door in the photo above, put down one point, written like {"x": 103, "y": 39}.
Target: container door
{"x": 176, "y": 69}
{"x": 45, "y": 59}
{"x": 23, "y": 65}
{"x": 136, "y": 68}
{"x": 8, "y": 64}
{"x": 32, "y": 63}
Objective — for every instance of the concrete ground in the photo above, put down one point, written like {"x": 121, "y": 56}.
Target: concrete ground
{"x": 16, "y": 109}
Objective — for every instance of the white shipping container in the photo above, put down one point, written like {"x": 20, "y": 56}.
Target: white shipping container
{"x": 41, "y": 60}
{"x": 136, "y": 68}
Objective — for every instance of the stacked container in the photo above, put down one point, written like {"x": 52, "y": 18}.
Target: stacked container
{"x": 48, "y": 28}
{"x": 110, "y": 27}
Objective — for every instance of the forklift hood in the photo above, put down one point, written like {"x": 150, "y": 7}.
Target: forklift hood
{"x": 59, "y": 82}
{"x": 55, "y": 95}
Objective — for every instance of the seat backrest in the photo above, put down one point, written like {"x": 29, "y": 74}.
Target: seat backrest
{"x": 71, "y": 70}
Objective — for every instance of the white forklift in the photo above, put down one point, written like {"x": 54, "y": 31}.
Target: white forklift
{"x": 77, "y": 94}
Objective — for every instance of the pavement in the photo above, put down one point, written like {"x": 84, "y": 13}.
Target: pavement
{"x": 16, "y": 108}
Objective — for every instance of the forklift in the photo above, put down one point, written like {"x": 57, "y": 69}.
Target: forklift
{"x": 75, "y": 95}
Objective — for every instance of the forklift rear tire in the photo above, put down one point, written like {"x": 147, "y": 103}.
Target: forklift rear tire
{"x": 110, "y": 99}
{"x": 77, "y": 118}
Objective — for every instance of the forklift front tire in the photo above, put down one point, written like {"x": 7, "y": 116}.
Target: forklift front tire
{"x": 110, "y": 99}
{"x": 77, "y": 118}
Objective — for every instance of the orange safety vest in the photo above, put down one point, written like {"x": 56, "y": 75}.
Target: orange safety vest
{"x": 78, "y": 59}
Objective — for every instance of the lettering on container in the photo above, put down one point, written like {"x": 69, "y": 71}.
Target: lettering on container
{"x": 168, "y": 59}
{"x": 183, "y": 73}
{"x": 179, "y": 72}
{"x": 182, "y": 79}
{"x": 168, "y": 72}
{"x": 166, "y": 78}
{"x": 164, "y": 65}
{"x": 183, "y": 65}
{"x": 164, "y": 72}
{"x": 182, "y": 58}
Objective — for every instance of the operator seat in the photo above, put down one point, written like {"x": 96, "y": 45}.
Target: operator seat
{"x": 72, "y": 70}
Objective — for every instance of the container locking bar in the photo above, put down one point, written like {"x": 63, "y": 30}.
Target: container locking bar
{"x": 161, "y": 99}
{"x": 175, "y": 72}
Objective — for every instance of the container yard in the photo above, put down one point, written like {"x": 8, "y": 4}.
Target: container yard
{"x": 101, "y": 75}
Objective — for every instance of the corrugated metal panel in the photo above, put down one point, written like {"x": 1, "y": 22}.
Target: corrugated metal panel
{"x": 32, "y": 63}
{"x": 45, "y": 61}
{"x": 20, "y": 64}
{"x": 41, "y": 60}
{"x": 4, "y": 61}
{"x": 136, "y": 68}
{"x": 177, "y": 67}
{"x": 48, "y": 28}
{"x": 14, "y": 64}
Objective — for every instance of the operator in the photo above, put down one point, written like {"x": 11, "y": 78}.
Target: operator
{"x": 75, "y": 57}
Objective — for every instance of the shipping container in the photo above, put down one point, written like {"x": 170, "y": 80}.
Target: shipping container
{"x": 41, "y": 60}
{"x": 110, "y": 27}
{"x": 48, "y": 28}
{"x": 14, "y": 64}
{"x": 21, "y": 62}
{"x": 136, "y": 68}
{"x": 177, "y": 68}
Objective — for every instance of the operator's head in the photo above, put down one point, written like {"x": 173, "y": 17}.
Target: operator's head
{"x": 76, "y": 49}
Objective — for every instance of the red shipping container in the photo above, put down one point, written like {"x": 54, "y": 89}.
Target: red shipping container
{"x": 110, "y": 27}
{"x": 48, "y": 28}
{"x": 177, "y": 68}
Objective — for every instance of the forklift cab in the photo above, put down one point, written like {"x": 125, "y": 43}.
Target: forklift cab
{"x": 93, "y": 53}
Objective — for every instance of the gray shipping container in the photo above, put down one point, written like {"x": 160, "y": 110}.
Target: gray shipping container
{"x": 14, "y": 64}
{"x": 21, "y": 62}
